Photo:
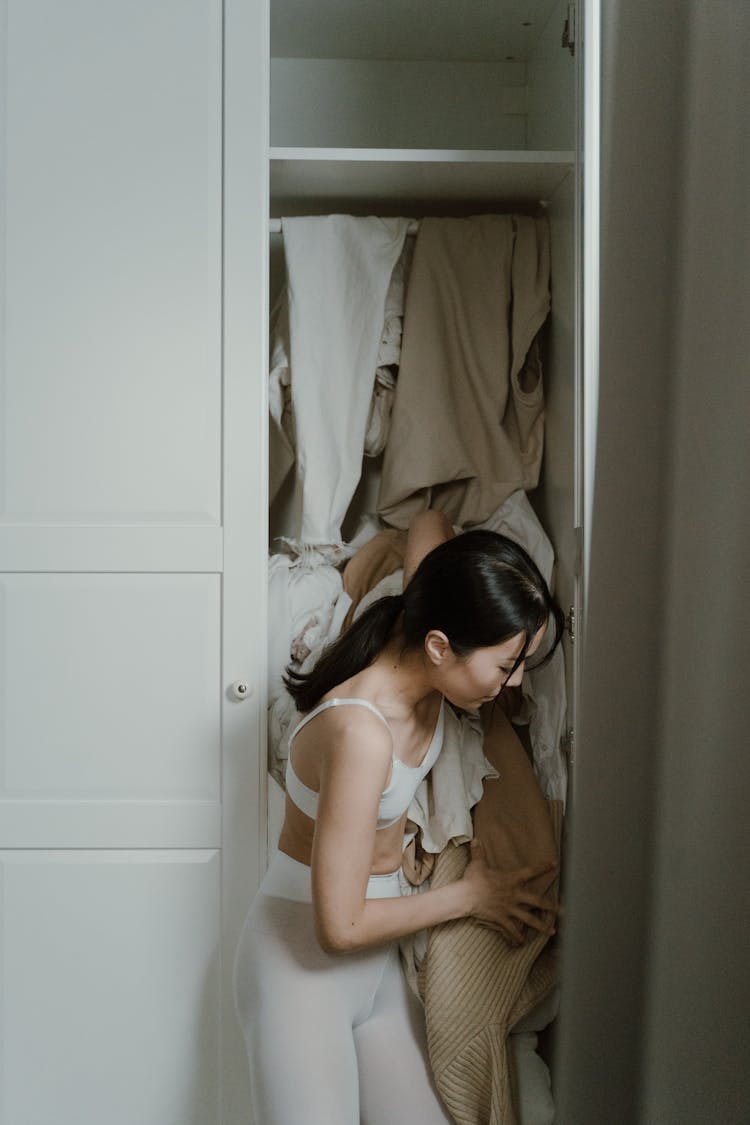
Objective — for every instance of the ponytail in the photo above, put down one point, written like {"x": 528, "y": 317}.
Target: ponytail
{"x": 354, "y": 650}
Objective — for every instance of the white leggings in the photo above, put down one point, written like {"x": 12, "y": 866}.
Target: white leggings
{"x": 331, "y": 1039}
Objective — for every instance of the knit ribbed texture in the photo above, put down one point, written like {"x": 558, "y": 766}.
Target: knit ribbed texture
{"x": 475, "y": 987}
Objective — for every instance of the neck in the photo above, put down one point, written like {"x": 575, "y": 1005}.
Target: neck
{"x": 403, "y": 676}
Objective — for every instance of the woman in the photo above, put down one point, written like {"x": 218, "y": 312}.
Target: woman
{"x": 334, "y": 1035}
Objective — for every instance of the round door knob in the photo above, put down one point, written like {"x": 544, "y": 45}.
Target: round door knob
{"x": 241, "y": 689}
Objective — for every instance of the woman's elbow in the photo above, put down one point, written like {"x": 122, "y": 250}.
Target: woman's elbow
{"x": 334, "y": 937}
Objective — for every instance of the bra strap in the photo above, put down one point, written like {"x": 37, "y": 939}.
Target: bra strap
{"x": 339, "y": 703}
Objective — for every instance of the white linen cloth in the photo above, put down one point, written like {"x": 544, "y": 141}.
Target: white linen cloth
{"x": 282, "y": 437}
{"x": 307, "y": 605}
{"x": 302, "y": 595}
{"x": 389, "y": 355}
{"x": 339, "y": 269}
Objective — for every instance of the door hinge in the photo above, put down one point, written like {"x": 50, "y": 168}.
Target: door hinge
{"x": 568, "y": 743}
{"x": 570, "y": 624}
{"x": 569, "y": 30}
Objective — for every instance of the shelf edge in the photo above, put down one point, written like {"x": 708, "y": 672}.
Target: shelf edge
{"x": 423, "y": 155}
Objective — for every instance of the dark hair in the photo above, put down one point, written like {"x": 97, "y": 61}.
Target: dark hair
{"x": 479, "y": 588}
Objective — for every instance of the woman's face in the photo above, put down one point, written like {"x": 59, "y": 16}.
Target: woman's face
{"x": 470, "y": 681}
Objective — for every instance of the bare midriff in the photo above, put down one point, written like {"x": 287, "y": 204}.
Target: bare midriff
{"x": 296, "y": 840}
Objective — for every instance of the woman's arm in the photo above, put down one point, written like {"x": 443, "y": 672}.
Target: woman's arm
{"x": 427, "y": 530}
{"x": 356, "y": 768}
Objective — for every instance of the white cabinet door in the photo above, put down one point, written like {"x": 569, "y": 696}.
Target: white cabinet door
{"x": 131, "y": 560}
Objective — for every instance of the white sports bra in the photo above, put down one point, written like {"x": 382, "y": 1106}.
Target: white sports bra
{"x": 398, "y": 794}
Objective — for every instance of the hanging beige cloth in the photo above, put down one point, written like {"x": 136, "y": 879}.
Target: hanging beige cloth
{"x": 467, "y": 427}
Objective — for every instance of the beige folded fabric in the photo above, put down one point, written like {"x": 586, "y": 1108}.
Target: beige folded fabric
{"x": 513, "y": 819}
{"x": 475, "y": 987}
{"x": 474, "y": 984}
{"x": 467, "y": 426}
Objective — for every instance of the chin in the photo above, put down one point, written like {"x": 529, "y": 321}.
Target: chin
{"x": 465, "y": 704}
{"x": 459, "y": 703}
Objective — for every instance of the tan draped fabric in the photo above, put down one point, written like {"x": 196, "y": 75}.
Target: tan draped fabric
{"x": 467, "y": 427}
{"x": 474, "y": 984}
{"x": 476, "y": 988}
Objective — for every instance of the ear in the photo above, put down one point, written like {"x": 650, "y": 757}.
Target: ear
{"x": 437, "y": 647}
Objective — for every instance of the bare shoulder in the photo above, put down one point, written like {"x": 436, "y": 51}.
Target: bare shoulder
{"x": 346, "y": 729}
{"x": 354, "y": 750}
{"x": 356, "y": 729}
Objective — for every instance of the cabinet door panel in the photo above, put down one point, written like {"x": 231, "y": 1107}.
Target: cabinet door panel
{"x": 112, "y": 274}
{"x": 110, "y": 983}
{"x": 110, "y": 692}
{"x": 133, "y": 309}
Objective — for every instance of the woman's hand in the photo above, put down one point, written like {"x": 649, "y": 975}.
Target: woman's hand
{"x": 502, "y": 900}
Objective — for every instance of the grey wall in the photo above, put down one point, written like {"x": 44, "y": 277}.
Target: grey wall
{"x": 655, "y": 972}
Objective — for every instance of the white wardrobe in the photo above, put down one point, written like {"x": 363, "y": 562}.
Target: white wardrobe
{"x": 145, "y": 148}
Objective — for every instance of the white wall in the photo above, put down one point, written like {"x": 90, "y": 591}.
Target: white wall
{"x": 379, "y": 103}
{"x": 551, "y": 82}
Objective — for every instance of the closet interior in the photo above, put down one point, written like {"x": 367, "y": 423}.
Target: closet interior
{"x": 410, "y": 108}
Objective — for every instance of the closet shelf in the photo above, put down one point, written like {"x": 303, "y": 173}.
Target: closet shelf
{"x": 302, "y": 180}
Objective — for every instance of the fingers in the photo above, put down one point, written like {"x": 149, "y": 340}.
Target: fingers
{"x": 526, "y": 874}
{"x": 538, "y": 903}
{"x": 535, "y": 923}
{"x": 512, "y": 933}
